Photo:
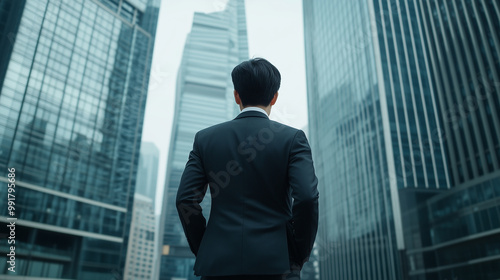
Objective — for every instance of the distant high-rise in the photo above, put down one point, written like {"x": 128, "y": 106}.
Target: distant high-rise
{"x": 403, "y": 102}
{"x": 73, "y": 92}
{"x": 217, "y": 43}
{"x": 141, "y": 259}
{"x": 147, "y": 171}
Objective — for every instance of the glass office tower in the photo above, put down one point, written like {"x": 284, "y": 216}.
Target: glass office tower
{"x": 434, "y": 67}
{"x": 374, "y": 130}
{"x": 459, "y": 230}
{"x": 216, "y": 44}
{"x": 74, "y": 85}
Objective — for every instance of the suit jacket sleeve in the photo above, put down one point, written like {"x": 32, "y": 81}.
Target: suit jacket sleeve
{"x": 192, "y": 189}
{"x": 303, "y": 183}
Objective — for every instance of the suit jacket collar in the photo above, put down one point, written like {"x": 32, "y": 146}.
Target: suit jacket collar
{"x": 251, "y": 114}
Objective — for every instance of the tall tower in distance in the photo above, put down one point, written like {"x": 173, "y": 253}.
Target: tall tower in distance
{"x": 73, "y": 92}
{"x": 404, "y": 126}
{"x": 204, "y": 97}
{"x": 141, "y": 261}
{"x": 147, "y": 171}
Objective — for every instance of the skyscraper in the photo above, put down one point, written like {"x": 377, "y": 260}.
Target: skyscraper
{"x": 74, "y": 85}
{"x": 403, "y": 101}
{"x": 204, "y": 97}
{"x": 142, "y": 255}
{"x": 459, "y": 230}
{"x": 374, "y": 131}
{"x": 147, "y": 171}
{"x": 141, "y": 259}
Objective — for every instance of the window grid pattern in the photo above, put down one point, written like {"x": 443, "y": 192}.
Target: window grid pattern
{"x": 71, "y": 113}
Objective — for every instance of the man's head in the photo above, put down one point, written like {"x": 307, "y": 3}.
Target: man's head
{"x": 256, "y": 83}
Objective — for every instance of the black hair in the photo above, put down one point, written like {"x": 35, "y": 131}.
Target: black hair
{"x": 256, "y": 81}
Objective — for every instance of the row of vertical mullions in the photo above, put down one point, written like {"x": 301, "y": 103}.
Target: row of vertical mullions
{"x": 490, "y": 62}
{"x": 381, "y": 183}
{"x": 470, "y": 147}
{"x": 481, "y": 108}
{"x": 424, "y": 105}
{"x": 399, "y": 81}
{"x": 371, "y": 192}
{"x": 396, "y": 212}
{"x": 412, "y": 94}
{"x": 389, "y": 156}
{"x": 445, "y": 81}
{"x": 391, "y": 83}
{"x": 483, "y": 114}
{"x": 483, "y": 74}
{"x": 415, "y": 107}
{"x": 418, "y": 16}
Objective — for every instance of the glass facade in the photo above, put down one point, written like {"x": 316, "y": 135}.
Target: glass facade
{"x": 356, "y": 236}
{"x": 456, "y": 233}
{"x": 73, "y": 93}
{"x": 404, "y": 100}
{"x": 374, "y": 130}
{"x": 217, "y": 42}
{"x": 416, "y": 134}
{"x": 464, "y": 50}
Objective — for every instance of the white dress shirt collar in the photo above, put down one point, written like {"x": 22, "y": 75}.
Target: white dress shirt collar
{"x": 254, "y": 109}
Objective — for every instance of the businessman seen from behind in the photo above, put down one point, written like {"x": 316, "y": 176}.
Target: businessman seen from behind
{"x": 264, "y": 213}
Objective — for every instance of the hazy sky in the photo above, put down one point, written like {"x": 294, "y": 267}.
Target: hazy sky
{"x": 275, "y": 32}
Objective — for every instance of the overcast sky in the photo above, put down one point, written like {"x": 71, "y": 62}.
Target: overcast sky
{"x": 275, "y": 32}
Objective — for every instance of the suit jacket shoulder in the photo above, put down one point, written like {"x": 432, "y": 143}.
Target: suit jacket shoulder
{"x": 261, "y": 122}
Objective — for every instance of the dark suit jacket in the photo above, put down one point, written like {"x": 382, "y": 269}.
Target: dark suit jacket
{"x": 254, "y": 167}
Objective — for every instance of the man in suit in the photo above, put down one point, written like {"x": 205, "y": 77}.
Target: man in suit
{"x": 253, "y": 167}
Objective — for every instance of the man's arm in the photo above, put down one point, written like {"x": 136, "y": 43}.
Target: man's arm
{"x": 303, "y": 182}
{"x": 192, "y": 189}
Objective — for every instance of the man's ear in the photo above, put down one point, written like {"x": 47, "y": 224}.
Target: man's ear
{"x": 274, "y": 98}
{"x": 237, "y": 97}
